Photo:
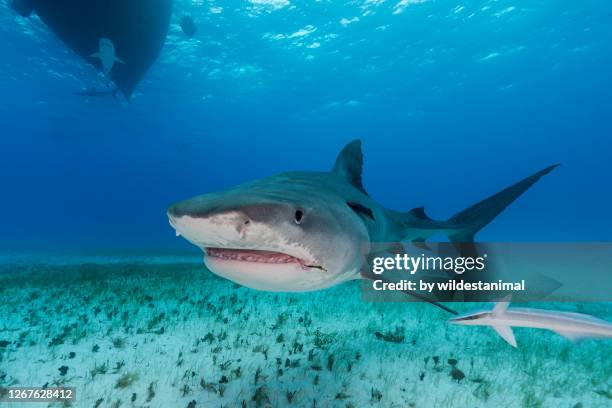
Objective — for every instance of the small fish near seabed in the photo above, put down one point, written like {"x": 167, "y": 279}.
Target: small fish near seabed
{"x": 305, "y": 231}
{"x": 95, "y": 93}
{"x": 572, "y": 326}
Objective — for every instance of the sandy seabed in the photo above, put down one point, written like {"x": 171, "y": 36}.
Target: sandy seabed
{"x": 161, "y": 331}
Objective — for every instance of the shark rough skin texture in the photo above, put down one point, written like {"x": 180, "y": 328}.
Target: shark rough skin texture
{"x": 305, "y": 231}
{"x": 573, "y": 326}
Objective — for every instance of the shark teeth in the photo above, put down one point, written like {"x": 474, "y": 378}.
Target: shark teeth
{"x": 251, "y": 255}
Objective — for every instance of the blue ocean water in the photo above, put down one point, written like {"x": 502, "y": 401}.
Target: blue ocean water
{"x": 453, "y": 101}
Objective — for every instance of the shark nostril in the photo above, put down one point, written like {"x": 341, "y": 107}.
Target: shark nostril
{"x": 242, "y": 227}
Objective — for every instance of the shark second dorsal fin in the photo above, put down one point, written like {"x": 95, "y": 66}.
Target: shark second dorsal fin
{"x": 349, "y": 164}
{"x": 505, "y": 333}
{"x": 419, "y": 212}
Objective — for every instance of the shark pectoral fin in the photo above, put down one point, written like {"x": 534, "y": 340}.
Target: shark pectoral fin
{"x": 96, "y": 55}
{"x": 505, "y": 333}
{"x": 119, "y": 60}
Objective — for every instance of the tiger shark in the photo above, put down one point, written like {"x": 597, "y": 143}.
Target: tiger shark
{"x": 306, "y": 231}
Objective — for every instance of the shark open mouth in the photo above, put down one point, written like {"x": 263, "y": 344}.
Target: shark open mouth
{"x": 257, "y": 256}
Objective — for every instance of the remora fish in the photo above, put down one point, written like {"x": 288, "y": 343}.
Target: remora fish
{"x": 93, "y": 92}
{"x": 305, "y": 231}
{"x": 573, "y": 326}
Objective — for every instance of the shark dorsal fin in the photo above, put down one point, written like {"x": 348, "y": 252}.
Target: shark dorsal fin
{"x": 501, "y": 306}
{"x": 419, "y": 212}
{"x": 505, "y": 333}
{"x": 349, "y": 164}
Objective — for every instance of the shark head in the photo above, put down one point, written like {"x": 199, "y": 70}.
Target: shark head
{"x": 474, "y": 318}
{"x": 106, "y": 46}
{"x": 292, "y": 232}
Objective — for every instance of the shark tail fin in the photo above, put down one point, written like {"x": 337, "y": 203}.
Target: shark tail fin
{"x": 471, "y": 220}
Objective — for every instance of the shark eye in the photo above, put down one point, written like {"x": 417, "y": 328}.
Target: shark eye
{"x": 299, "y": 215}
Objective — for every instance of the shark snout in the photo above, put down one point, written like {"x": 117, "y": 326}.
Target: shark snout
{"x": 189, "y": 208}
{"x": 217, "y": 229}
{"x": 225, "y": 223}
{"x": 244, "y": 213}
